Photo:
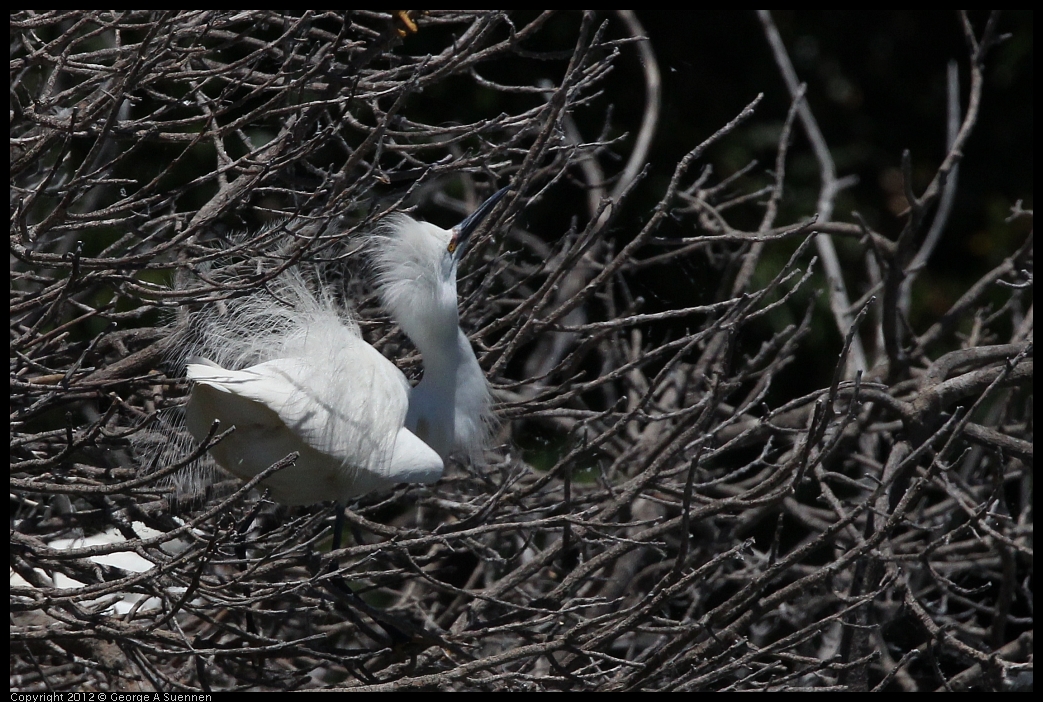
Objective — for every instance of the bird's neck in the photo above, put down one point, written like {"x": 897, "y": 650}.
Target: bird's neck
{"x": 447, "y": 407}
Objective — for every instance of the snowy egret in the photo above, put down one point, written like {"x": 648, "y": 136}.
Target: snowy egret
{"x": 314, "y": 386}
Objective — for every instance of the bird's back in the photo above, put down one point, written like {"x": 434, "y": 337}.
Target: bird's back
{"x": 341, "y": 412}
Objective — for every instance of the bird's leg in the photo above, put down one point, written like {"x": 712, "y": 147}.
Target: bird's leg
{"x": 338, "y": 525}
{"x": 338, "y": 586}
{"x": 240, "y": 552}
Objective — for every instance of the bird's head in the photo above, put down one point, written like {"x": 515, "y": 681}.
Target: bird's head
{"x": 416, "y": 269}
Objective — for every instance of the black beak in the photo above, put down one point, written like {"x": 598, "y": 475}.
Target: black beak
{"x": 462, "y": 232}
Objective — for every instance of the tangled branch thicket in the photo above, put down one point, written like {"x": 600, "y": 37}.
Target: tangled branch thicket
{"x": 686, "y": 525}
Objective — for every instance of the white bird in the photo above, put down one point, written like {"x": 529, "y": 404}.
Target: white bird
{"x": 311, "y": 384}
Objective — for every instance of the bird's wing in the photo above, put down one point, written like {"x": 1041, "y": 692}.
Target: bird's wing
{"x": 349, "y": 409}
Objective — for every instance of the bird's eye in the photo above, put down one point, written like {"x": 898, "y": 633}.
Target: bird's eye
{"x": 452, "y": 245}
